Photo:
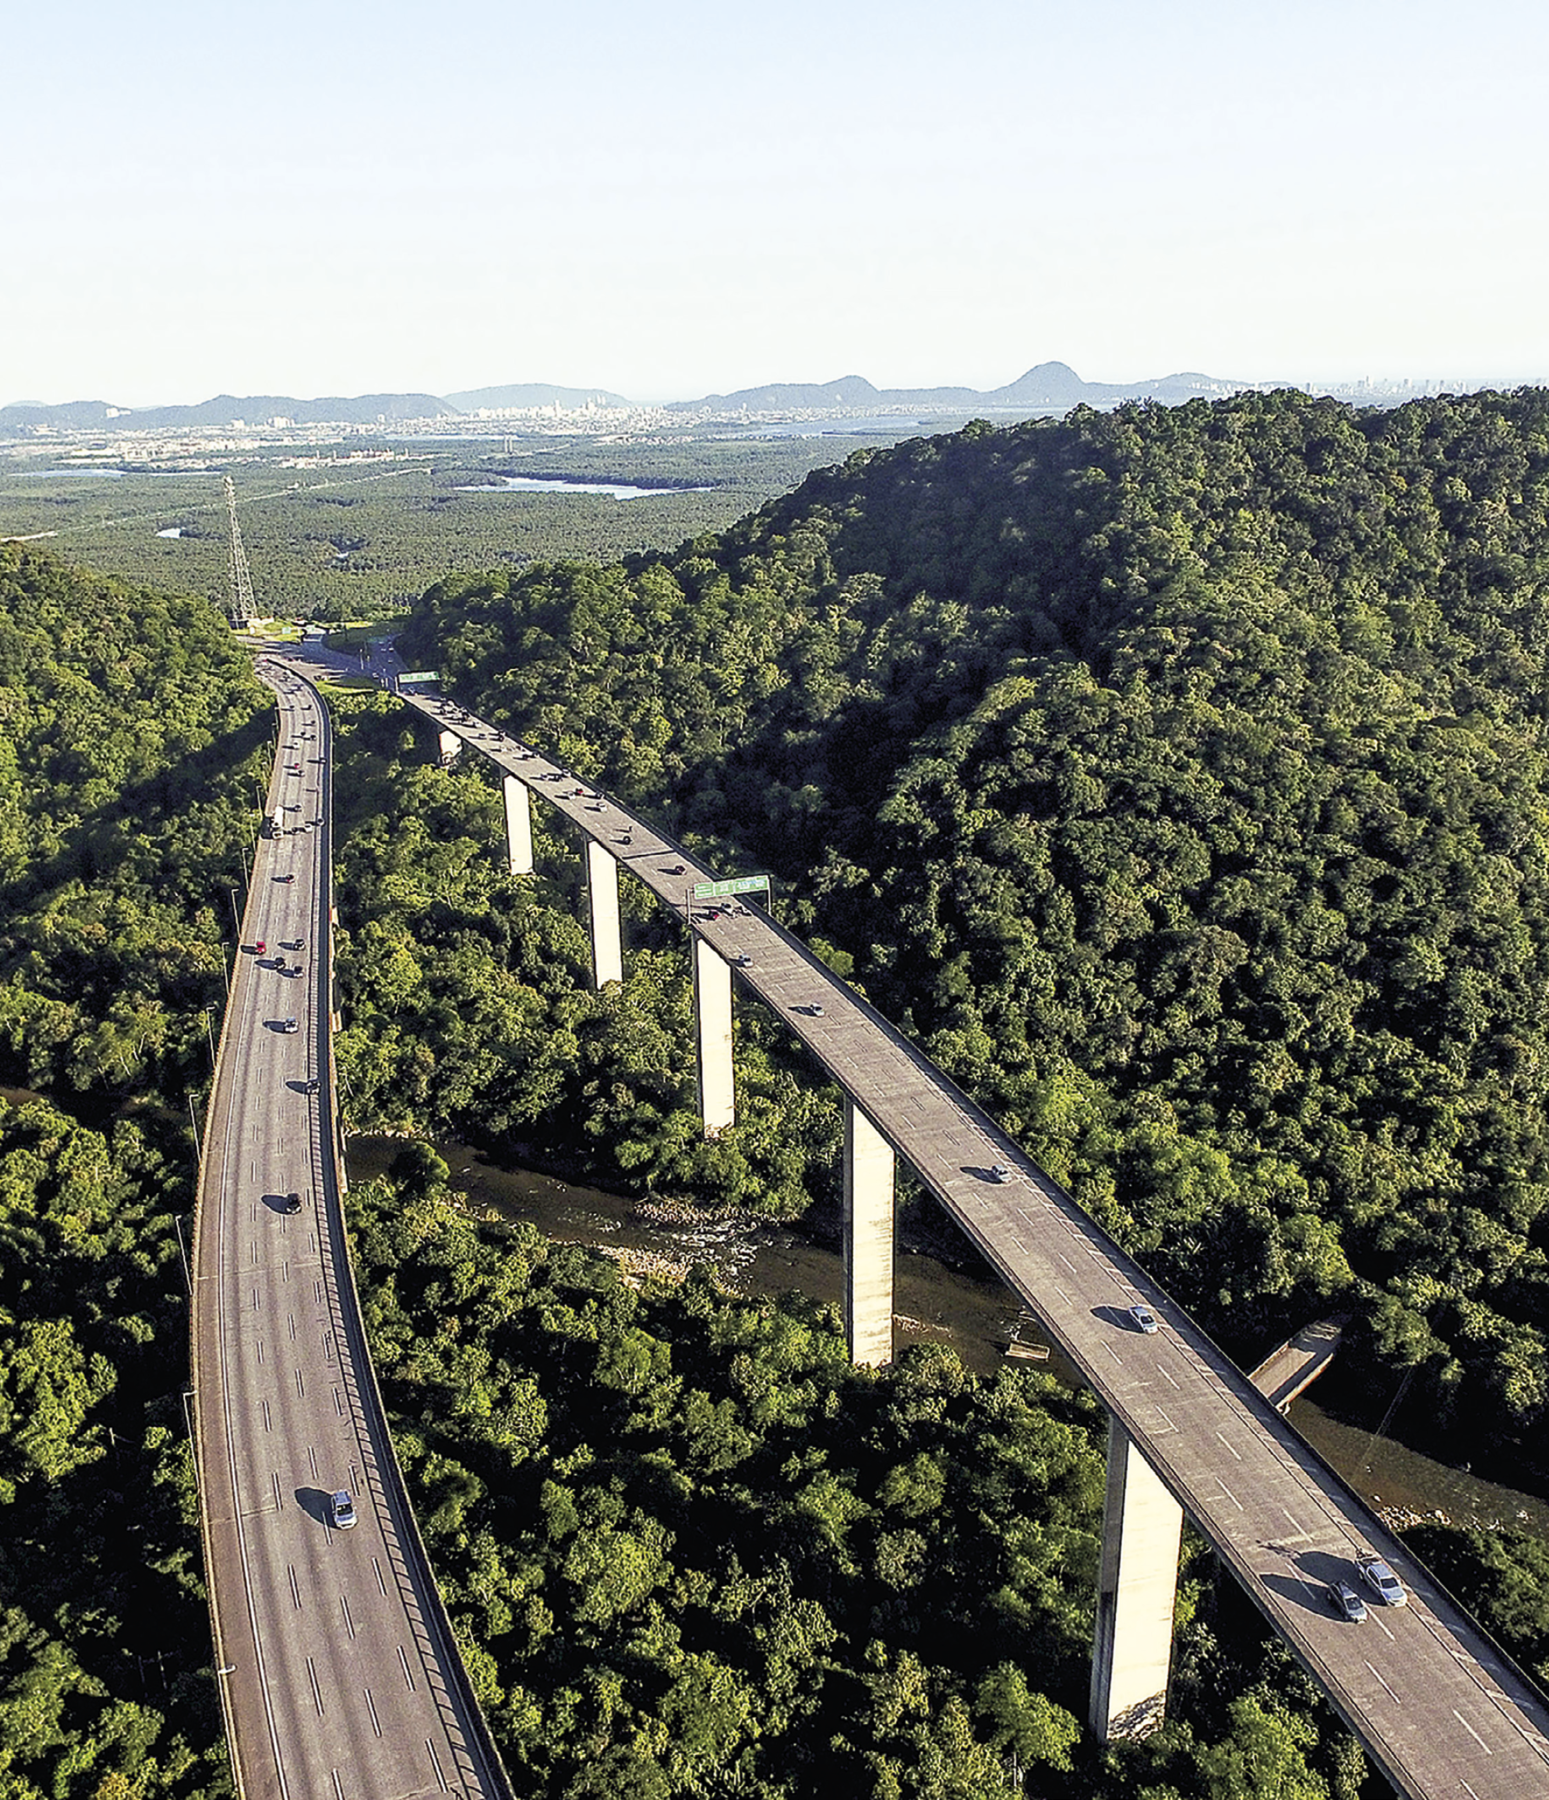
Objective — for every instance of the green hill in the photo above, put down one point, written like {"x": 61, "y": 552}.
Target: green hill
{"x": 131, "y": 736}
{"x": 1176, "y": 775}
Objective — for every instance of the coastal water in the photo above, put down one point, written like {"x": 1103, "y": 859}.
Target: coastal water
{"x": 935, "y": 1303}
{"x": 68, "y": 474}
{"x": 556, "y": 484}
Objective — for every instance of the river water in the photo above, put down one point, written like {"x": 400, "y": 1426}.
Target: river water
{"x": 935, "y": 1303}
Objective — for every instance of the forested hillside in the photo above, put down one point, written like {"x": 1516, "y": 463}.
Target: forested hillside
{"x": 689, "y": 1551}
{"x": 129, "y": 739}
{"x": 1176, "y": 776}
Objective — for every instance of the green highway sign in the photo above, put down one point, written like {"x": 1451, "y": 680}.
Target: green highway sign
{"x": 420, "y": 675}
{"x": 744, "y": 884}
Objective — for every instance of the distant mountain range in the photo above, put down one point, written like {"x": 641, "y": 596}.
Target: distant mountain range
{"x": 1049, "y": 385}
{"x": 228, "y": 409}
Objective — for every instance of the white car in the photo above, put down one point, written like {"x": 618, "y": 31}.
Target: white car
{"x": 342, "y": 1508}
{"x": 1145, "y": 1319}
{"x": 1382, "y": 1581}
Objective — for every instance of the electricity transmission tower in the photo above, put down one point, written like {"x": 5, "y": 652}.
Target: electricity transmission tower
{"x": 242, "y": 608}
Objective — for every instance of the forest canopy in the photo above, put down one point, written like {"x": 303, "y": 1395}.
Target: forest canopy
{"x": 130, "y": 733}
{"x": 1175, "y": 775}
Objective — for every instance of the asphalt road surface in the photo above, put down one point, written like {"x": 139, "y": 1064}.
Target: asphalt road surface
{"x": 337, "y": 1670}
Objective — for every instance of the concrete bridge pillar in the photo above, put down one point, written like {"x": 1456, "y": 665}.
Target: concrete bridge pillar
{"x": 1137, "y": 1587}
{"x": 451, "y": 747}
{"x": 518, "y": 826}
{"x": 712, "y": 1026}
{"x": 868, "y": 1239}
{"x": 602, "y": 892}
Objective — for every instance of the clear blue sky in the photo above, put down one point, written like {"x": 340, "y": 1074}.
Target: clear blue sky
{"x": 677, "y": 197}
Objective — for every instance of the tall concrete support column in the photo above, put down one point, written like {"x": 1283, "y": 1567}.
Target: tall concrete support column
{"x": 451, "y": 746}
{"x": 712, "y": 1026}
{"x": 518, "y": 826}
{"x": 602, "y": 892}
{"x": 868, "y": 1239}
{"x": 1136, "y": 1591}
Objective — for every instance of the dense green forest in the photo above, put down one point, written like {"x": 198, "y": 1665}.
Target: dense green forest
{"x": 469, "y": 1006}
{"x": 688, "y": 1550}
{"x": 130, "y": 736}
{"x": 1175, "y": 775}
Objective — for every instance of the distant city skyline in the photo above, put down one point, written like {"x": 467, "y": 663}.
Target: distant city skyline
{"x": 338, "y": 198}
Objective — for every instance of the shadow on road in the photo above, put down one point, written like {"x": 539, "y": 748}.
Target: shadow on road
{"x": 315, "y": 1503}
{"x": 1308, "y": 1595}
{"x": 1117, "y": 1315}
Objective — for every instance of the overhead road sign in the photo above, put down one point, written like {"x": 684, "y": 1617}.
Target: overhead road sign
{"x": 744, "y": 884}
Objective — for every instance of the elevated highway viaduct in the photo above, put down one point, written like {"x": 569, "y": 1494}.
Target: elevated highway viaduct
{"x": 1440, "y": 1710}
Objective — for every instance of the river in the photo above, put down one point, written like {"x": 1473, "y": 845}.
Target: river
{"x": 935, "y": 1303}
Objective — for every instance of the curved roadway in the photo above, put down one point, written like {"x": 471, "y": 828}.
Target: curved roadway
{"x": 1439, "y": 1709}
{"x": 339, "y": 1677}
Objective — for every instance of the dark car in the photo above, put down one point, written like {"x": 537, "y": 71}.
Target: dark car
{"x": 1346, "y": 1602}
{"x": 293, "y": 1203}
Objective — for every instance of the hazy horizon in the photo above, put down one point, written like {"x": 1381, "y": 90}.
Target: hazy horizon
{"x": 673, "y": 202}
{"x": 1463, "y": 383}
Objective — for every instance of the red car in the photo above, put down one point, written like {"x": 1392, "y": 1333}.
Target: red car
{"x": 260, "y": 947}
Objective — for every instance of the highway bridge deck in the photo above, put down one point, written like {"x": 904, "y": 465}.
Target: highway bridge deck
{"x": 1441, "y": 1711}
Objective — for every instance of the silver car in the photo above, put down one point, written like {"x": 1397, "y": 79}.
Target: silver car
{"x": 1382, "y": 1581}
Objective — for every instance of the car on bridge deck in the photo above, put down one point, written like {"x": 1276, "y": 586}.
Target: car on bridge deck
{"x": 1346, "y": 1602}
{"x": 1382, "y": 1581}
{"x": 342, "y": 1509}
{"x": 1145, "y": 1319}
